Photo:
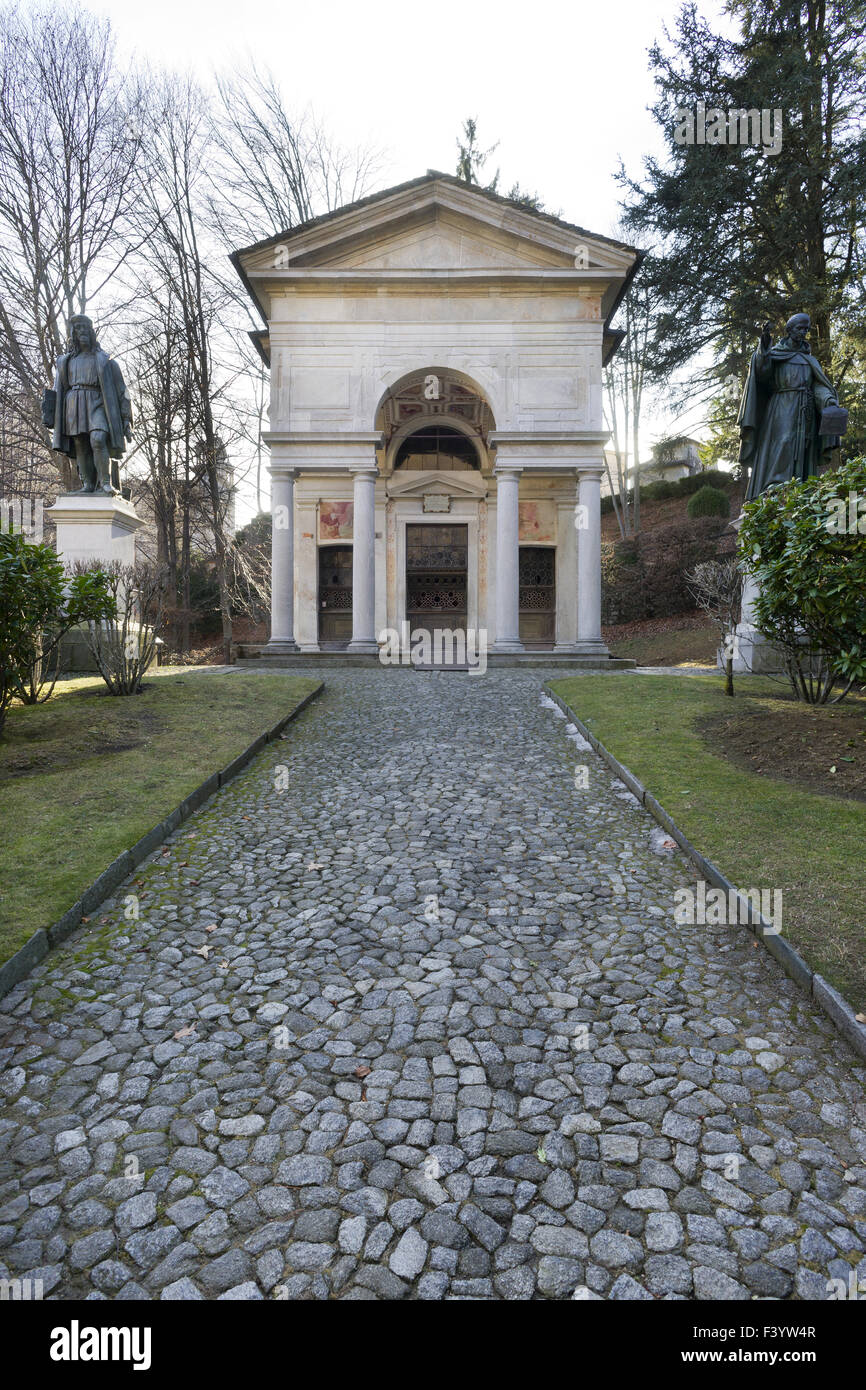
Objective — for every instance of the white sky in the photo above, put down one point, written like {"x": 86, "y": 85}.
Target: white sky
{"x": 563, "y": 87}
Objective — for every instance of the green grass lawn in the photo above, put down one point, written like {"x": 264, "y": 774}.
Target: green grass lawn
{"x": 761, "y": 831}
{"x": 84, "y": 776}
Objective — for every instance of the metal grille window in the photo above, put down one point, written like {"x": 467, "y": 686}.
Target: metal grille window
{"x": 537, "y": 578}
{"x": 436, "y": 575}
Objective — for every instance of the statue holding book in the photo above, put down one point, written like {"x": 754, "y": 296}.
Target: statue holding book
{"x": 88, "y": 411}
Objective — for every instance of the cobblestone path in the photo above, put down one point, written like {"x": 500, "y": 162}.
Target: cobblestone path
{"x": 406, "y": 1013}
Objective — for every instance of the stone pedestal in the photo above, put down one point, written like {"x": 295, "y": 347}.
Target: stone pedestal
{"x": 94, "y": 526}
{"x": 91, "y": 527}
{"x": 753, "y": 652}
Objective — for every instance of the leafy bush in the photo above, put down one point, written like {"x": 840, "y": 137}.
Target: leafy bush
{"x": 708, "y": 501}
{"x": 805, "y": 543}
{"x": 39, "y": 604}
{"x": 665, "y": 489}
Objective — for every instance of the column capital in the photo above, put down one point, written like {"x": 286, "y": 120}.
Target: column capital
{"x": 360, "y": 470}
{"x": 506, "y": 469}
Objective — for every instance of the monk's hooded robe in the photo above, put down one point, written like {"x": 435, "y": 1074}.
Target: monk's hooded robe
{"x": 779, "y": 417}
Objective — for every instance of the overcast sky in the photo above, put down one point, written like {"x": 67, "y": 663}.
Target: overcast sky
{"x": 563, "y": 87}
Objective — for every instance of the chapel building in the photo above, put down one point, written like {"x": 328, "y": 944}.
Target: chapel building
{"x": 436, "y": 433}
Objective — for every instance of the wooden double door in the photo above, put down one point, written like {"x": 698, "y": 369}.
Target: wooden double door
{"x": 437, "y": 563}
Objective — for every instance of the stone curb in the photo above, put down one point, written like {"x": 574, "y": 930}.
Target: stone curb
{"x": 837, "y": 1009}
{"x": 36, "y": 949}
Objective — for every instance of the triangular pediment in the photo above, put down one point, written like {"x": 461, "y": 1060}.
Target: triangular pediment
{"x": 441, "y": 227}
{"x": 455, "y": 482}
{"x": 437, "y": 223}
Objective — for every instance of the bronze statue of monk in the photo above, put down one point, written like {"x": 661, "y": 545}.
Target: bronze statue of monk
{"x": 780, "y": 419}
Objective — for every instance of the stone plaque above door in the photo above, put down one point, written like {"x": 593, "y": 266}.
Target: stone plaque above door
{"x": 436, "y": 502}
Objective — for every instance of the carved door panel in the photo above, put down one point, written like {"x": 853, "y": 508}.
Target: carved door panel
{"x": 537, "y": 596}
{"x": 335, "y": 595}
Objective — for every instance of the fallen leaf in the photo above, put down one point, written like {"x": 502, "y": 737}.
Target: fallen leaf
{"x": 211, "y": 927}
{"x": 362, "y": 1071}
{"x": 861, "y": 1018}
{"x": 224, "y": 965}
{"x": 185, "y": 1032}
{"x": 669, "y": 844}
{"x": 203, "y": 951}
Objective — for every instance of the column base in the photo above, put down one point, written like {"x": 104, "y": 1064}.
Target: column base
{"x": 309, "y": 647}
{"x": 280, "y": 647}
{"x": 364, "y": 647}
{"x": 756, "y": 655}
{"x": 506, "y": 646}
{"x": 591, "y": 648}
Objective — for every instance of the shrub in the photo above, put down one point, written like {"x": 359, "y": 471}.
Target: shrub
{"x": 717, "y": 587}
{"x": 124, "y": 645}
{"x": 644, "y": 577}
{"x": 39, "y": 603}
{"x": 805, "y": 544}
{"x": 708, "y": 501}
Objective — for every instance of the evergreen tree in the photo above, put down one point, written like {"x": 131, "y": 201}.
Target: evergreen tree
{"x": 745, "y": 234}
{"x": 471, "y": 159}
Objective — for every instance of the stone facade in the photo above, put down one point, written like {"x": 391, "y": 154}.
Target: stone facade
{"x": 436, "y": 355}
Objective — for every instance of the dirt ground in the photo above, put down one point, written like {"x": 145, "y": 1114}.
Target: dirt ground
{"x": 822, "y": 749}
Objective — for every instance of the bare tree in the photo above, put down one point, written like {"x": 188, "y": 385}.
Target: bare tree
{"x": 180, "y": 255}
{"x": 70, "y": 140}
{"x": 626, "y": 379}
{"x": 717, "y": 587}
{"x": 272, "y": 170}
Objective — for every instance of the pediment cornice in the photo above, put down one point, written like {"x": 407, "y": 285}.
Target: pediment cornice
{"x": 453, "y": 482}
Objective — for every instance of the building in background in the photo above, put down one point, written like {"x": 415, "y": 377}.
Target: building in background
{"x": 436, "y": 427}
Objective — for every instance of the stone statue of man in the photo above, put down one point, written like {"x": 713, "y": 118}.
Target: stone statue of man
{"x": 780, "y": 413}
{"x": 89, "y": 410}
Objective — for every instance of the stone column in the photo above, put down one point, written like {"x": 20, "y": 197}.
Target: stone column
{"x": 364, "y": 561}
{"x": 282, "y": 637}
{"x": 566, "y": 577}
{"x": 588, "y": 523}
{"x": 507, "y": 560}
